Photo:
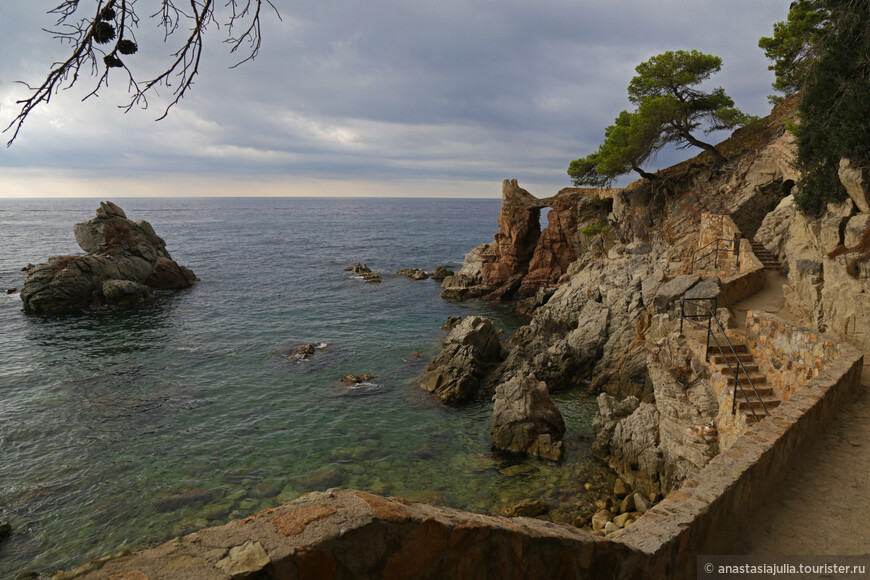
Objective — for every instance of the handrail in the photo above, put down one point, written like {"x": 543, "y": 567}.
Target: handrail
{"x": 735, "y": 242}
{"x": 711, "y": 316}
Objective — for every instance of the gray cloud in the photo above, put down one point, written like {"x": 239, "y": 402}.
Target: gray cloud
{"x": 385, "y": 90}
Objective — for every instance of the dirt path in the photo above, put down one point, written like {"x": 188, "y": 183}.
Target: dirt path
{"x": 822, "y": 506}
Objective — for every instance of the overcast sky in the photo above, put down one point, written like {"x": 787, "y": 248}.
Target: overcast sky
{"x": 372, "y": 98}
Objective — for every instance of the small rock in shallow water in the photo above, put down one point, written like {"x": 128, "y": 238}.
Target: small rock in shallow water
{"x": 528, "y": 508}
{"x": 620, "y": 488}
{"x": 621, "y": 519}
{"x": 355, "y": 379}
{"x": 515, "y": 470}
{"x": 640, "y": 503}
{"x": 600, "y": 518}
{"x": 11, "y": 290}
{"x": 627, "y": 504}
{"x": 303, "y": 352}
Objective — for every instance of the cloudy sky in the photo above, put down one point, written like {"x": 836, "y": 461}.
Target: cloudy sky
{"x": 383, "y": 97}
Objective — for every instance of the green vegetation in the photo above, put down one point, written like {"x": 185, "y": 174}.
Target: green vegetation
{"x": 594, "y": 229}
{"x": 670, "y": 108}
{"x": 823, "y": 51}
{"x": 795, "y": 45}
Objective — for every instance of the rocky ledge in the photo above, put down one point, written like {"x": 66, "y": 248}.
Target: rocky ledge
{"x": 125, "y": 262}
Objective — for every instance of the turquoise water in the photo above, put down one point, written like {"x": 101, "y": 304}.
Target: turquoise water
{"x": 121, "y": 429}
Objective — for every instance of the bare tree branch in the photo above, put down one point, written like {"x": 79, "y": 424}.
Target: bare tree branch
{"x": 103, "y": 41}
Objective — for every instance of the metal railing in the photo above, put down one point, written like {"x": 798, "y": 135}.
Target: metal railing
{"x": 709, "y": 313}
{"x": 718, "y": 243}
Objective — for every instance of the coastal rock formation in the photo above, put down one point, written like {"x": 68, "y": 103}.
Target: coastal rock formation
{"x": 413, "y": 273}
{"x": 364, "y": 272}
{"x": 522, "y": 259}
{"x": 470, "y": 351}
{"x": 525, "y": 419}
{"x": 126, "y": 261}
{"x": 656, "y": 447}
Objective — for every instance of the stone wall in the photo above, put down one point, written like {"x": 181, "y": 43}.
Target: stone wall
{"x": 353, "y": 534}
{"x": 788, "y": 354}
{"x": 704, "y": 515}
{"x": 717, "y": 227}
{"x": 747, "y": 280}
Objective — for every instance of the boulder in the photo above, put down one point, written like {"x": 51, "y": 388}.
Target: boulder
{"x": 527, "y": 508}
{"x": 775, "y": 228}
{"x": 468, "y": 353}
{"x": 673, "y": 290}
{"x": 525, "y": 419}
{"x": 441, "y": 272}
{"x": 413, "y": 273}
{"x": 126, "y": 260}
{"x": 855, "y": 230}
{"x": 856, "y": 180}
{"x": 364, "y": 272}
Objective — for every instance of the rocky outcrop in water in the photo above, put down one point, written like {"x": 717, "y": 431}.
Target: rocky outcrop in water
{"x": 126, "y": 261}
{"x": 470, "y": 351}
{"x": 525, "y": 419}
{"x": 523, "y": 259}
{"x": 364, "y": 272}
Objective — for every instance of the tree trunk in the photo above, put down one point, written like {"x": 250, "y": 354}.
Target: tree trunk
{"x": 717, "y": 157}
{"x": 643, "y": 173}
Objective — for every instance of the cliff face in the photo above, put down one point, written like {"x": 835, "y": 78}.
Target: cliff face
{"x": 621, "y": 262}
{"x": 523, "y": 259}
{"x": 827, "y": 259}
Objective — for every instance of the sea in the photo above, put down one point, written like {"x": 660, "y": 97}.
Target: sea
{"x": 122, "y": 429}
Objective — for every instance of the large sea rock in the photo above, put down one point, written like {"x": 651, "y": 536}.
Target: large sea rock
{"x": 470, "y": 351}
{"x": 125, "y": 262}
{"x": 525, "y": 419}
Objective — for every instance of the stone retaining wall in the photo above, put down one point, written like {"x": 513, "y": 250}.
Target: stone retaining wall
{"x": 704, "y": 516}
{"x": 788, "y": 354}
{"x": 748, "y": 280}
{"x": 353, "y": 534}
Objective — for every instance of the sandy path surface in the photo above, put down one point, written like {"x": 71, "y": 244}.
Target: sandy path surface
{"x": 822, "y": 506}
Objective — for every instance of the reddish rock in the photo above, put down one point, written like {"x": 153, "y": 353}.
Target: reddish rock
{"x": 168, "y": 275}
{"x": 294, "y": 522}
{"x": 523, "y": 259}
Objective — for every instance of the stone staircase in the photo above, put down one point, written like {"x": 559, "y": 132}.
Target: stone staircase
{"x": 767, "y": 259}
{"x": 762, "y": 391}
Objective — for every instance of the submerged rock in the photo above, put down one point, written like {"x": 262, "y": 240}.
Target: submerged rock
{"x": 355, "y": 379}
{"x": 126, "y": 260}
{"x": 468, "y": 353}
{"x": 413, "y": 273}
{"x": 440, "y": 273}
{"x": 525, "y": 419}
{"x": 527, "y": 508}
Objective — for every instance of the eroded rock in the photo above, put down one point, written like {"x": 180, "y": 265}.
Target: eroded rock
{"x": 469, "y": 352}
{"x": 525, "y": 419}
{"x": 126, "y": 260}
